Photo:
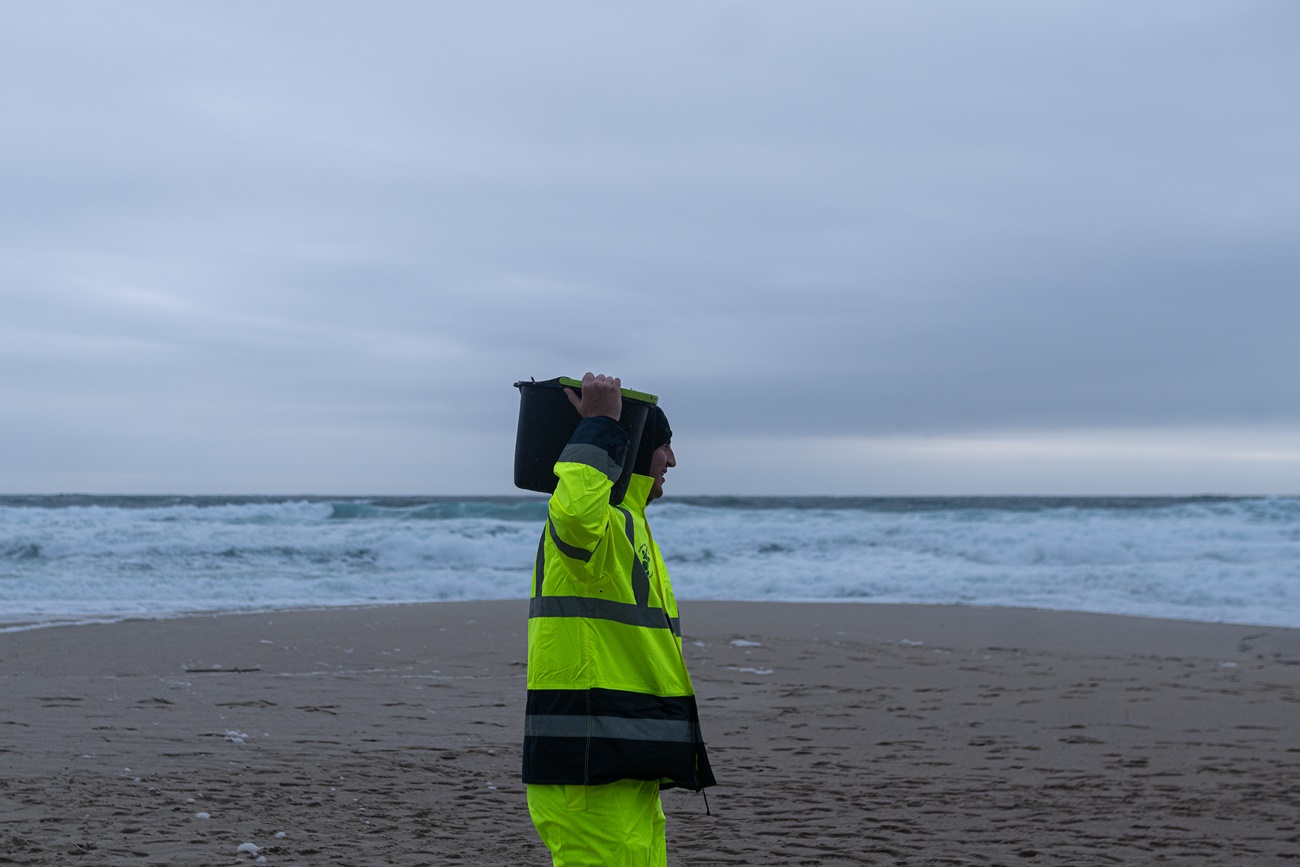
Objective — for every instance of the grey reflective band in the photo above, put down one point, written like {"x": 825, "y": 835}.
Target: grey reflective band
{"x": 539, "y": 566}
{"x": 603, "y": 609}
{"x": 640, "y": 580}
{"x": 571, "y": 551}
{"x": 616, "y": 727}
{"x": 636, "y": 613}
{"x": 593, "y": 456}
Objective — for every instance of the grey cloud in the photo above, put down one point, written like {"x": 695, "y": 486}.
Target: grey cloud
{"x": 901, "y": 219}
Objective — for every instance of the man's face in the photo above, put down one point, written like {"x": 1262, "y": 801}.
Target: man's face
{"x": 660, "y": 460}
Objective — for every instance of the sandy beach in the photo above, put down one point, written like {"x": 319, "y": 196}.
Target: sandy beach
{"x": 840, "y": 734}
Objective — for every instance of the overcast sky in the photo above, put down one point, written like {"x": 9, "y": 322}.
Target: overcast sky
{"x": 856, "y": 247}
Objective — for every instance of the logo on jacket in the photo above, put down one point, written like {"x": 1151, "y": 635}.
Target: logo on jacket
{"x": 644, "y": 556}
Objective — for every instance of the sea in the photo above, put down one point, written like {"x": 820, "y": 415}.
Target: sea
{"x": 79, "y": 559}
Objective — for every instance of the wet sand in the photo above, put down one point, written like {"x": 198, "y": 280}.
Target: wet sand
{"x": 840, "y": 734}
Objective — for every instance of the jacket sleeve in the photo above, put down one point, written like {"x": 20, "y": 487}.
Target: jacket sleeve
{"x": 587, "y": 470}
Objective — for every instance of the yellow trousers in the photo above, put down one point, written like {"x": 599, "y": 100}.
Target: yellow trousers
{"x": 615, "y": 825}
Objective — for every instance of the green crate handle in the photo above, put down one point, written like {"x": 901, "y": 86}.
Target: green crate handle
{"x": 632, "y": 394}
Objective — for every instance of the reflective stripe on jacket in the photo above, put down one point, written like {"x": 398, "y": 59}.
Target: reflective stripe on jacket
{"x": 609, "y": 696}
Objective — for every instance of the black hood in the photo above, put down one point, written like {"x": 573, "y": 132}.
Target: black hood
{"x": 656, "y": 433}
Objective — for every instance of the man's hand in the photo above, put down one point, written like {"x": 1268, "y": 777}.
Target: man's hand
{"x": 600, "y": 396}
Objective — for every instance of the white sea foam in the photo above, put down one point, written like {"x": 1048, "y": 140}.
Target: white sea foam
{"x": 1235, "y": 560}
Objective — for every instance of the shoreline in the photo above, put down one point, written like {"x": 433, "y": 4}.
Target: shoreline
{"x": 841, "y": 734}
{"x": 29, "y": 624}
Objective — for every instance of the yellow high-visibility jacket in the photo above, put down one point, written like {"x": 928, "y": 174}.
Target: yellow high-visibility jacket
{"x": 609, "y": 696}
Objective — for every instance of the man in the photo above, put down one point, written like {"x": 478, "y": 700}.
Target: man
{"x": 611, "y": 716}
